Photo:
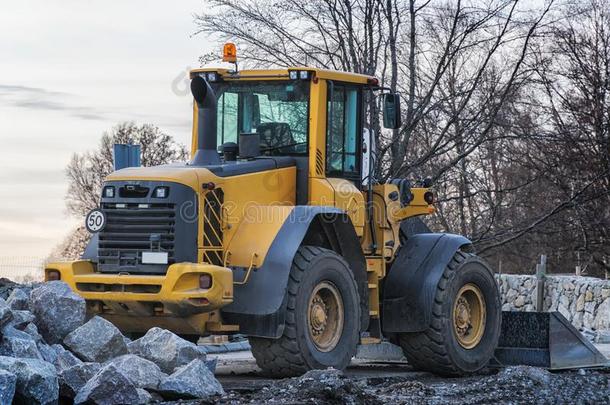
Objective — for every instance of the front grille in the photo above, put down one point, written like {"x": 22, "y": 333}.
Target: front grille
{"x": 128, "y": 233}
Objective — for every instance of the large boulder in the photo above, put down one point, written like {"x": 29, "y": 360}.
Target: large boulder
{"x": 15, "y": 343}
{"x": 72, "y": 379}
{"x": 36, "y": 380}
{"x": 143, "y": 373}
{"x": 192, "y": 381}
{"x": 58, "y": 310}
{"x": 5, "y": 313}
{"x": 96, "y": 341}
{"x": 165, "y": 349}
{"x": 109, "y": 386}
{"x": 7, "y": 387}
{"x": 18, "y": 300}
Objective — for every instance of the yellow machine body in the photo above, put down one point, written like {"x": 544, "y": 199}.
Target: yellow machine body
{"x": 252, "y": 213}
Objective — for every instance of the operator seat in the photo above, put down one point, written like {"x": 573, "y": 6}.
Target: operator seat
{"x": 274, "y": 134}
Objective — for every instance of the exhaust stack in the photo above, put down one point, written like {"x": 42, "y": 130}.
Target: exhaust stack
{"x": 205, "y": 98}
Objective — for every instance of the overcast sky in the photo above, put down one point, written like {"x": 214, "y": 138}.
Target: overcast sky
{"x": 69, "y": 70}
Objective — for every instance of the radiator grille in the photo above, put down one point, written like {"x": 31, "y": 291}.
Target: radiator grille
{"x": 128, "y": 233}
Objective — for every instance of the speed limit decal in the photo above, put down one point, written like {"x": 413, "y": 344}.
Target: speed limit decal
{"x": 95, "y": 221}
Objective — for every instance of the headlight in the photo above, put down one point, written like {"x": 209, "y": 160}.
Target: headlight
{"x": 161, "y": 192}
{"x": 108, "y": 192}
{"x": 429, "y": 197}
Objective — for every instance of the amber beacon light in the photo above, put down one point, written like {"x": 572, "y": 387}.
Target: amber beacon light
{"x": 229, "y": 53}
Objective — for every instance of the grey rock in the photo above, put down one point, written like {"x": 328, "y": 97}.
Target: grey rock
{"x": 36, "y": 380}
{"x": 72, "y": 379}
{"x": 5, "y": 313}
{"x": 21, "y": 319}
{"x": 97, "y": 341}
{"x": 520, "y": 301}
{"x": 602, "y": 317}
{"x": 18, "y": 300}
{"x": 32, "y": 330}
{"x": 577, "y": 320}
{"x": 590, "y": 307}
{"x": 506, "y": 307}
{"x": 58, "y": 310}
{"x": 580, "y": 303}
{"x": 65, "y": 358}
{"x": 109, "y": 386}
{"x": 8, "y": 382}
{"x": 48, "y": 353}
{"x": 144, "y": 397}
{"x": 192, "y": 381}
{"x": 16, "y": 343}
{"x": 587, "y": 320}
{"x": 165, "y": 349}
{"x": 143, "y": 373}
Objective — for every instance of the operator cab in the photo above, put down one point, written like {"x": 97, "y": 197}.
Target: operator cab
{"x": 279, "y": 111}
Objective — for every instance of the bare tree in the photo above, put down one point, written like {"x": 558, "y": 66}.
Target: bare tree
{"x": 506, "y": 106}
{"x": 86, "y": 171}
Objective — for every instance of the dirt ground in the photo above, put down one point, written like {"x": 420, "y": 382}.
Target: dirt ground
{"x": 367, "y": 382}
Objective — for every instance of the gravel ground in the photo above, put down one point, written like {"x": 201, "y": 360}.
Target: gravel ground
{"x": 514, "y": 385}
{"x": 396, "y": 383}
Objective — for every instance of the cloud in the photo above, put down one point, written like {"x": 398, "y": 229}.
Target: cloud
{"x": 37, "y": 98}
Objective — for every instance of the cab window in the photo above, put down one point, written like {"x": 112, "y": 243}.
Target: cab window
{"x": 277, "y": 111}
{"x": 343, "y": 131}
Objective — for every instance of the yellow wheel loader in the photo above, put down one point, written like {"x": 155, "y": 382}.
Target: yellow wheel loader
{"x": 276, "y": 229}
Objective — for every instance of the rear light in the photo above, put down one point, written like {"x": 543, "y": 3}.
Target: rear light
{"x": 429, "y": 197}
{"x": 205, "y": 281}
{"x": 53, "y": 275}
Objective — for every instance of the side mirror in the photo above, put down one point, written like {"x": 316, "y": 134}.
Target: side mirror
{"x": 391, "y": 111}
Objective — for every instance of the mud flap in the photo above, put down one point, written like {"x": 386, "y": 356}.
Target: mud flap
{"x": 544, "y": 339}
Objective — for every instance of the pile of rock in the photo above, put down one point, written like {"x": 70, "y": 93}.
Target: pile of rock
{"x": 584, "y": 301}
{"x": 48, "y": 351}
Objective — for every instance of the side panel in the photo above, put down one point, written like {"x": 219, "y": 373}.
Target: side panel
{"x": 259, "y": 305}
{"x": 411, "y": 283}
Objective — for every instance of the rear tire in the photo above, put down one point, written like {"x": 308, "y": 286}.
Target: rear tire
{"x": 322, "y": 317}
{"x": 466, "y": 317}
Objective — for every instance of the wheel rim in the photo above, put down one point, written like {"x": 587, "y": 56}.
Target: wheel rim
{"x": 325, "y": 316}
{"x": 469, "y": 316}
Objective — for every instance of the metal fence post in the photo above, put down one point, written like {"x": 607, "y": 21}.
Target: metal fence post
{"x": 540, "y": 278}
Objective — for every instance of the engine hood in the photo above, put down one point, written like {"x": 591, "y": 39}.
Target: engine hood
{"x": 194, "y": 176}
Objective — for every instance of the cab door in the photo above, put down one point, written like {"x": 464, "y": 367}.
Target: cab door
{"x": 344, "y": 149}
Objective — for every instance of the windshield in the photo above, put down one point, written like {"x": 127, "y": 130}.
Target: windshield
{"x": 276, "y": 110}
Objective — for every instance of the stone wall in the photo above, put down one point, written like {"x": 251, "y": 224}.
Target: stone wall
{"x": 584, "y": 301}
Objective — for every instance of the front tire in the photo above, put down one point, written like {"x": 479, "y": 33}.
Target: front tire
{"x": 322, "y": 317}
{"x": 466, "y": 317}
